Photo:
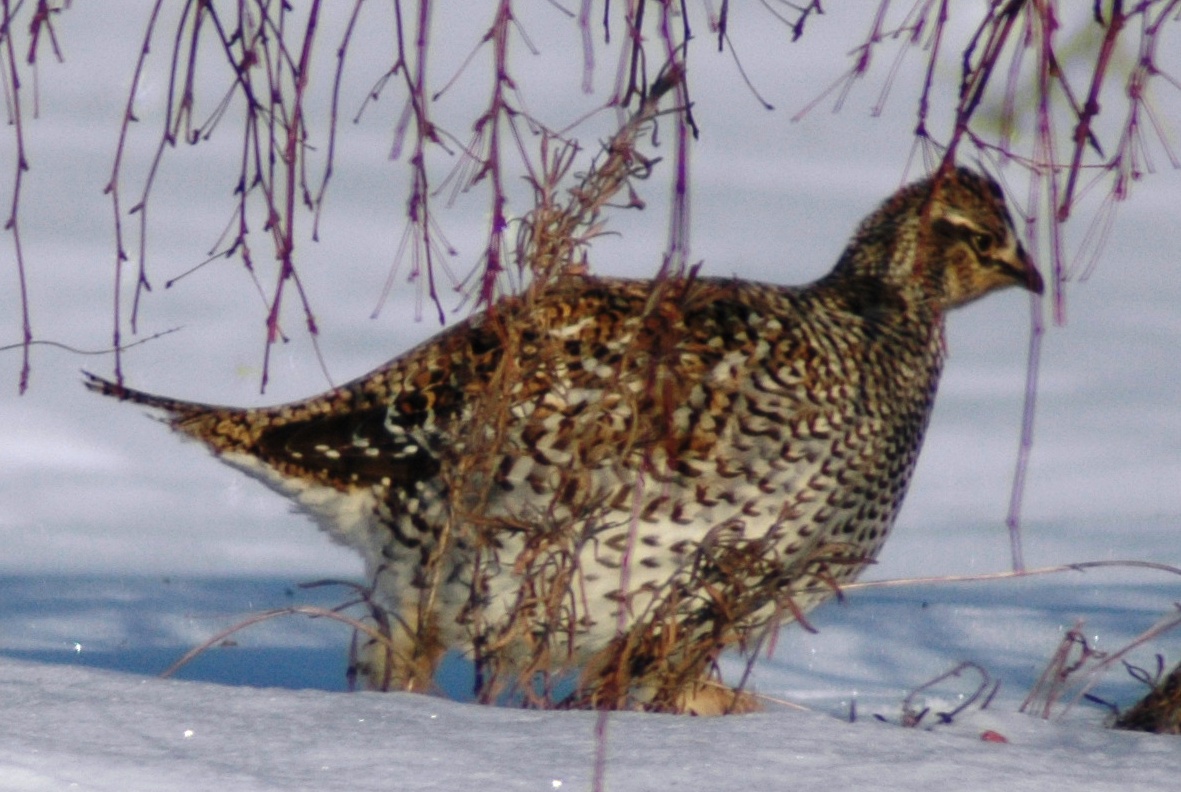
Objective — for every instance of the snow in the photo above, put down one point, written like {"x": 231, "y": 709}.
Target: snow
{"x": 69, "y": 723}
{"x": 85, "y": 729}
{"x": 124, "y": 548}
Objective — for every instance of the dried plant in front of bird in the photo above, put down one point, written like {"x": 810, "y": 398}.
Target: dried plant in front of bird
{"x": 1160, "y": 709}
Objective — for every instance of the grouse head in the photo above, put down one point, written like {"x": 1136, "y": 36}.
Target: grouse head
{"x": 944, "y": 241}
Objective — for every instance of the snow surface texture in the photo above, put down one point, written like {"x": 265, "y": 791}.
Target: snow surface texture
{"x": 69, "y": 728}
{"x": 123, "y": 548}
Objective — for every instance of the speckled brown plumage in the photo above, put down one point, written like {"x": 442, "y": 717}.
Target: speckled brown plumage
{"x": 1159, "y": 711}
{"x": 625, "y": 476}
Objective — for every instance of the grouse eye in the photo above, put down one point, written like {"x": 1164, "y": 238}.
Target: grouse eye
{"x": 981, "y": 243}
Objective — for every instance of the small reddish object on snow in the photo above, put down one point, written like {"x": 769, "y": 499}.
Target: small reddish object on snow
{"x": 991, "y": 736}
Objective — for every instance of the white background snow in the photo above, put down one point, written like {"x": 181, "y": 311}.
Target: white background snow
{"x": 123, "y": 548}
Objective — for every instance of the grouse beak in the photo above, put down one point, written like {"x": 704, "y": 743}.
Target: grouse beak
{"x": 1022, "y": 269}
{"x": 1033, "y": 278}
